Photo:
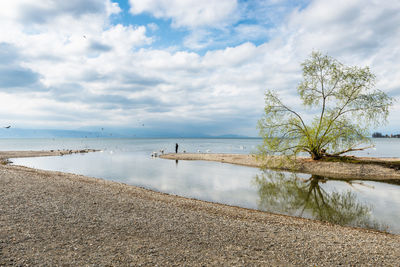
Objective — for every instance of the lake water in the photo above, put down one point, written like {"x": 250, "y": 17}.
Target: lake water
{"x": 358, "y": 203}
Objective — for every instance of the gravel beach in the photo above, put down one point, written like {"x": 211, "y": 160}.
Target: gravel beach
{"x": 53, "y": 218}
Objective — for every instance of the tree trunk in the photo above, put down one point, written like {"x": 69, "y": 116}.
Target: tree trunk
{"x": 316, "y": 155}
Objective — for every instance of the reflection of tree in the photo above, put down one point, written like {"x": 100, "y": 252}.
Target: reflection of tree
{"x": 289, "y": 194}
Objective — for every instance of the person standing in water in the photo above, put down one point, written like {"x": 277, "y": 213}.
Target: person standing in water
{"x": 176, "y": 148}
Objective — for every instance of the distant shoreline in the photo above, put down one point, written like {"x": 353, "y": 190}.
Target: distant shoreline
{"x": 379, "y": 169}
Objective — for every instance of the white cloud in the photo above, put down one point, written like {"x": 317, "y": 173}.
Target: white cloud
{"x": 363, "y": 33}
{"x": 188, "y": 13}
{"x": 198, "y": 39}
{"x": 112, "y": 8}
{"x": 39, "y": 12}
{"x": 152, "y": 26}
{"x": 251, "y": 31}
{"x": 84, "y": 70}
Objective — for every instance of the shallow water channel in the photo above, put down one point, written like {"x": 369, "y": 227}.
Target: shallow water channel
{"x": 368, "y": 204}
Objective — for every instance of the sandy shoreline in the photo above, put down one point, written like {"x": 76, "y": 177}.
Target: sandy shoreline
{"x": 329, "y": 169}
{"x": 4, "y": 155}
{"x": 54, "y": 218}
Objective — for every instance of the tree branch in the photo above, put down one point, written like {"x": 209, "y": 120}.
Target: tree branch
{"x": 349, "y": 150}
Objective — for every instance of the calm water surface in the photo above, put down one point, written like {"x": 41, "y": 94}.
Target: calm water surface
{"x": 358, "y": 203}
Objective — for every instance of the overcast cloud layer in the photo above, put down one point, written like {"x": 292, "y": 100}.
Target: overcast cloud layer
{"x": 183, "y": 66}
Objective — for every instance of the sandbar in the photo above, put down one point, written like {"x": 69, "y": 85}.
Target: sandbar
{"x": 379, "y": 170}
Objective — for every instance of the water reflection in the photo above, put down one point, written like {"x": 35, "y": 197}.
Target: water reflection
{"x": 305, "y": 197}
{"x": 128, "y": 161}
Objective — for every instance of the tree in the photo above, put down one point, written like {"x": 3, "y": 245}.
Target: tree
{"x": 346, "y": 103}
{"x": 377, "y": 135}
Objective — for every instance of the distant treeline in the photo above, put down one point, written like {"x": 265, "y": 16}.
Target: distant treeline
{"x": 380, "y": 135}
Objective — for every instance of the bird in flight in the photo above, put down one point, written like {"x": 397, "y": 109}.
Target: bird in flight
{"x": 8, "y": 127}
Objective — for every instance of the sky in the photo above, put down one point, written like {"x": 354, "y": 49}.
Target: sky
{"x": 185, "y": 67}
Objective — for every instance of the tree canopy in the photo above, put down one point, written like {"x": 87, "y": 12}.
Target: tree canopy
{"x": 347, "y": 104}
